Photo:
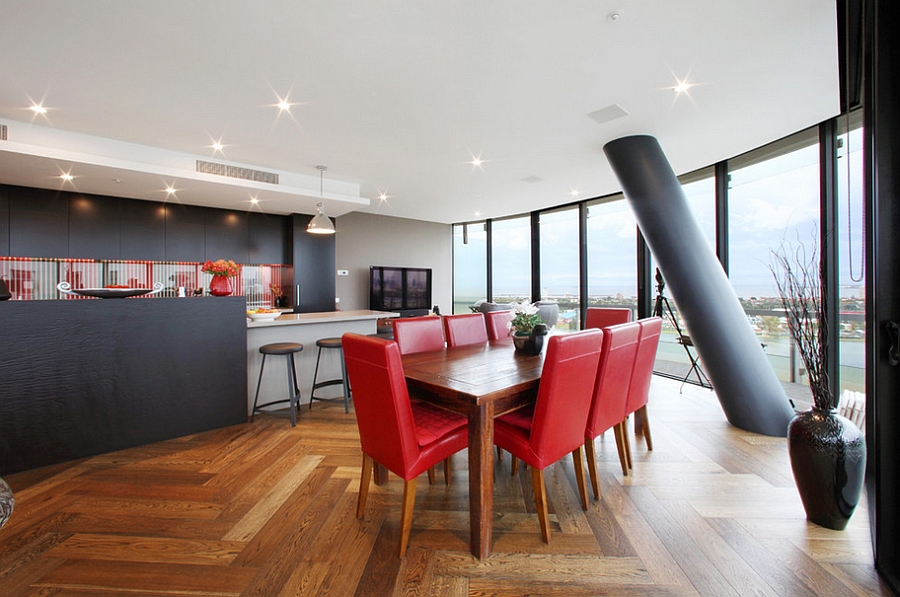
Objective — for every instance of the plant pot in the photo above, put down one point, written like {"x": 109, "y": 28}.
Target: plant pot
{"x": 530, "y": 344}
{"x": 220, "y": 286}
{"x": 828, "y": 457}
{"x": 281, "y": 302}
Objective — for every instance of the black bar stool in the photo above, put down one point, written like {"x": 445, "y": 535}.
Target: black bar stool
{"x": 330, "y": 343}
{"x": 287, "y": 349}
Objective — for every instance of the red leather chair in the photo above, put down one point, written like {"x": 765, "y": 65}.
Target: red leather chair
{"x": 641, "y": 374}
{"x": 418, "y": 334}
{"x": 603, "y": 317}
{"x": 620, "y": 345}
{"x": 406, "y": 437}
{"x": 555, "y": 425}
{"x": 498, "y": 324}
{"x": 464, "y": 329}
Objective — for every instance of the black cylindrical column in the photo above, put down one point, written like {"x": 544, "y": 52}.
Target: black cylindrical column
{"x": 747, "y": 388}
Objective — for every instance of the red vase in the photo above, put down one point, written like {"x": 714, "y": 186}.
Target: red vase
{"x": 220, "y": 286}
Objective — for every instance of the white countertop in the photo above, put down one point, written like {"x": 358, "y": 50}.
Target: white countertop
{"x": 325, "y": 317}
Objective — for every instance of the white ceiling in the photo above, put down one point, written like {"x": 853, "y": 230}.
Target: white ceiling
{"x": 397, "y": 96}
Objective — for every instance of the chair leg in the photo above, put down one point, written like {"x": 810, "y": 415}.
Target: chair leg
{"x": 645, "y": 425}
{"x": 448, "y": 471}
{"x": 591, "y": 454}
{"x": 619, "y": 431}
{"x": 540, "y": 500}
{"x": 431, "y": 475}
{"x": 409, "y": 500}
{"x": 627, "y": 443}
{"x": 578, "y": 458}
{"x": 364, "y": 480}
{"x": 499, "y": 453}
{"x": 514, "y": 467}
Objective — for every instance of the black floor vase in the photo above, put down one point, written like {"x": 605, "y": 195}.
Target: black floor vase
{"x": 828, "y": 457}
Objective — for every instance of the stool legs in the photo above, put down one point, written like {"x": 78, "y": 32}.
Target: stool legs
{"x": 343, "y": 381}
{"x": 293, "y": 390}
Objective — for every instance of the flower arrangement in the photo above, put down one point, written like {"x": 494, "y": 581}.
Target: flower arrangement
{"x": 277, "y": 290}
{"x": 525, "y": 317}
{"x": 228, "y": 268}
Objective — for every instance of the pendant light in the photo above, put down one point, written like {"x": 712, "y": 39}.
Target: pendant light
{"x": 320, "y": 223}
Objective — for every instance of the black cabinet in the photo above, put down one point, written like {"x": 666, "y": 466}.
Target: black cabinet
{"x": 38, "y": 223}
{"x": 4, "y": 220}
{"x": 314, "y": 268}
{"x": 185, "y": 233}
{"x": 143, "y": 230}
{"x": 94, "y": 231}
{"x": 226, "y": 235}
{"x": 268, "y": 239}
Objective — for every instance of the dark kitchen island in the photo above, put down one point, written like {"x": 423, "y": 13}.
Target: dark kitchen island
{"x": 80, "y": 377}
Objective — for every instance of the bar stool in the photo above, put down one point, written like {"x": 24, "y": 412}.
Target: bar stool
{"x": 287, "y": 349}
{"x": 327, "y": 344}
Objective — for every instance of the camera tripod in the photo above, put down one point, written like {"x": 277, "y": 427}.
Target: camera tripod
{"x": 662, "y": 309}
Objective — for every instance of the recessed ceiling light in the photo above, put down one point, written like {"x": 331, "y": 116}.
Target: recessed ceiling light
{"x": 284, "y": 105}
{"x": 682, "y": 86}
{"x": 38, "y": 109}
{"x": 574, "y": 193}
{"x": 476, "y": 161}
{"x": 217, "y": 146}
{"x": 66, "y": 176}
{"x": 170, "y": 190}
{"x": 254, "y": 200}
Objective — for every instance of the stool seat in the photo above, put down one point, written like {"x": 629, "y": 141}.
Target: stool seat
{"x": 327, "y": 344}
{"x": 288, "y": 349}
{"x": 281, "y": 348}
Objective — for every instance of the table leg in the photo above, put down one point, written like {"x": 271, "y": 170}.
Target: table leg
{"x": 481, "y": 478}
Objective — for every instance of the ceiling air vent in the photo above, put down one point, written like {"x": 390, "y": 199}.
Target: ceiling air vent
{"x": 2, "y": 132}
{"x": 236, "y": 172}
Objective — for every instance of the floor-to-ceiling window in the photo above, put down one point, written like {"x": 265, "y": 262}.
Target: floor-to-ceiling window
{"x": 560, "y": 264}
{"x": 469, "y": 265}
{"x": 511, "y": 260}
{"x": 612, "y": 255}
{"x": 773, "y": 200}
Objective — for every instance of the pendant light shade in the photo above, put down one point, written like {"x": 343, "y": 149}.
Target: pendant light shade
{"x": 320, "y": 223}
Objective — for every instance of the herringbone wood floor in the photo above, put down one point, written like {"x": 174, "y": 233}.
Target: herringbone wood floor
{"x": 265, "y": 509}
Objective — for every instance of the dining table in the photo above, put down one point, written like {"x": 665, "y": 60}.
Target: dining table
{"x": 480, "y": 381}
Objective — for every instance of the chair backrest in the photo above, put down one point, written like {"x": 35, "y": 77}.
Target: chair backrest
{"x": 564, "y": 395}
{"x": 387, "y": 430}
{"x": 498, "y": 323}
{"x": 642, "y": 372}
{"x": 464, "y": 329}
{"x": 603, "y": 317}
{"x": 418, "y": 334}
{"x": 620, "y": 347}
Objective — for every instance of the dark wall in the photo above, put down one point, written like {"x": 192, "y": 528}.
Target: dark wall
{"x": 314, "y": 268}
{"x": 60, "y": 224}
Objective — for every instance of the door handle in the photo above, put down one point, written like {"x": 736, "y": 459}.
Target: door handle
{"x": 893, "y": 330}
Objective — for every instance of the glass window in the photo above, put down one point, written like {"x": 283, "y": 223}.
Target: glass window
{"x": 773, "y": 197}
{"x": 559, "y": 265}
{"x": 851, "y": 256}
{"x": 612, "y": 254}
{"x": 511, "y": 259}
{"x": 469, "y": 265}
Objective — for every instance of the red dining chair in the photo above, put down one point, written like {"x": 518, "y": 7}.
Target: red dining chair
{"x": 418, "y": 334}
{"x": 406, "y": 437}
{"x": 465, "y": 329}
{"x": 602, "y": 317}
{"x": 641, "y": 374}
{"x": 620, "y": 345}
{"x": 498, "y": 323}
{"x": 554, "y": 426}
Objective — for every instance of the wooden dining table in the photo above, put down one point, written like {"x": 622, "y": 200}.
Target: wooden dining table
{"x": 481, "y": 382}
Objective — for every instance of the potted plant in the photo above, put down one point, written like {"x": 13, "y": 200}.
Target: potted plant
{"x": 527, "y": 328}
{"x": 827, "y": 451}
{"x": 278, "y": 294}
{"x": 222, "y": 271}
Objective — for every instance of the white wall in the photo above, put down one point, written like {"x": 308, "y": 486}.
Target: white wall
{"x": 366, "y": 239}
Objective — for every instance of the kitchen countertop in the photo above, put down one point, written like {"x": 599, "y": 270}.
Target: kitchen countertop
{"x": 325, "y": 317}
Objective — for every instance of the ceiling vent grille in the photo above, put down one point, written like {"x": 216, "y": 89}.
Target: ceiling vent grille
{"x": 2, "y": 132}
{"x": 236, "y": 172}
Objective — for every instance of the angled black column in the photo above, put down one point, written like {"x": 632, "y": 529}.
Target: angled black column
{"x": 747, "y": 388}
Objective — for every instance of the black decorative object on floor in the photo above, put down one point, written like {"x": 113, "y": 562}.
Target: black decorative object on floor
{"x": 828, "y": 457}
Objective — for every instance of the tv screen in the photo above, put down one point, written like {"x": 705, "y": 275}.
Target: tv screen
{"x": 399, "y": 288}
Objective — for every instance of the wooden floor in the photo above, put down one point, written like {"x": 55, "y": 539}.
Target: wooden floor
{"x": 267, "y": 510}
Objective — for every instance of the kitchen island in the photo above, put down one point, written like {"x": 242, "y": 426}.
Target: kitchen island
{"x": 304, "y": 328}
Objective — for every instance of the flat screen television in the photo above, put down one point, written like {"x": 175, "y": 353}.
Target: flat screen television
{"x": 399, "y": 288}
